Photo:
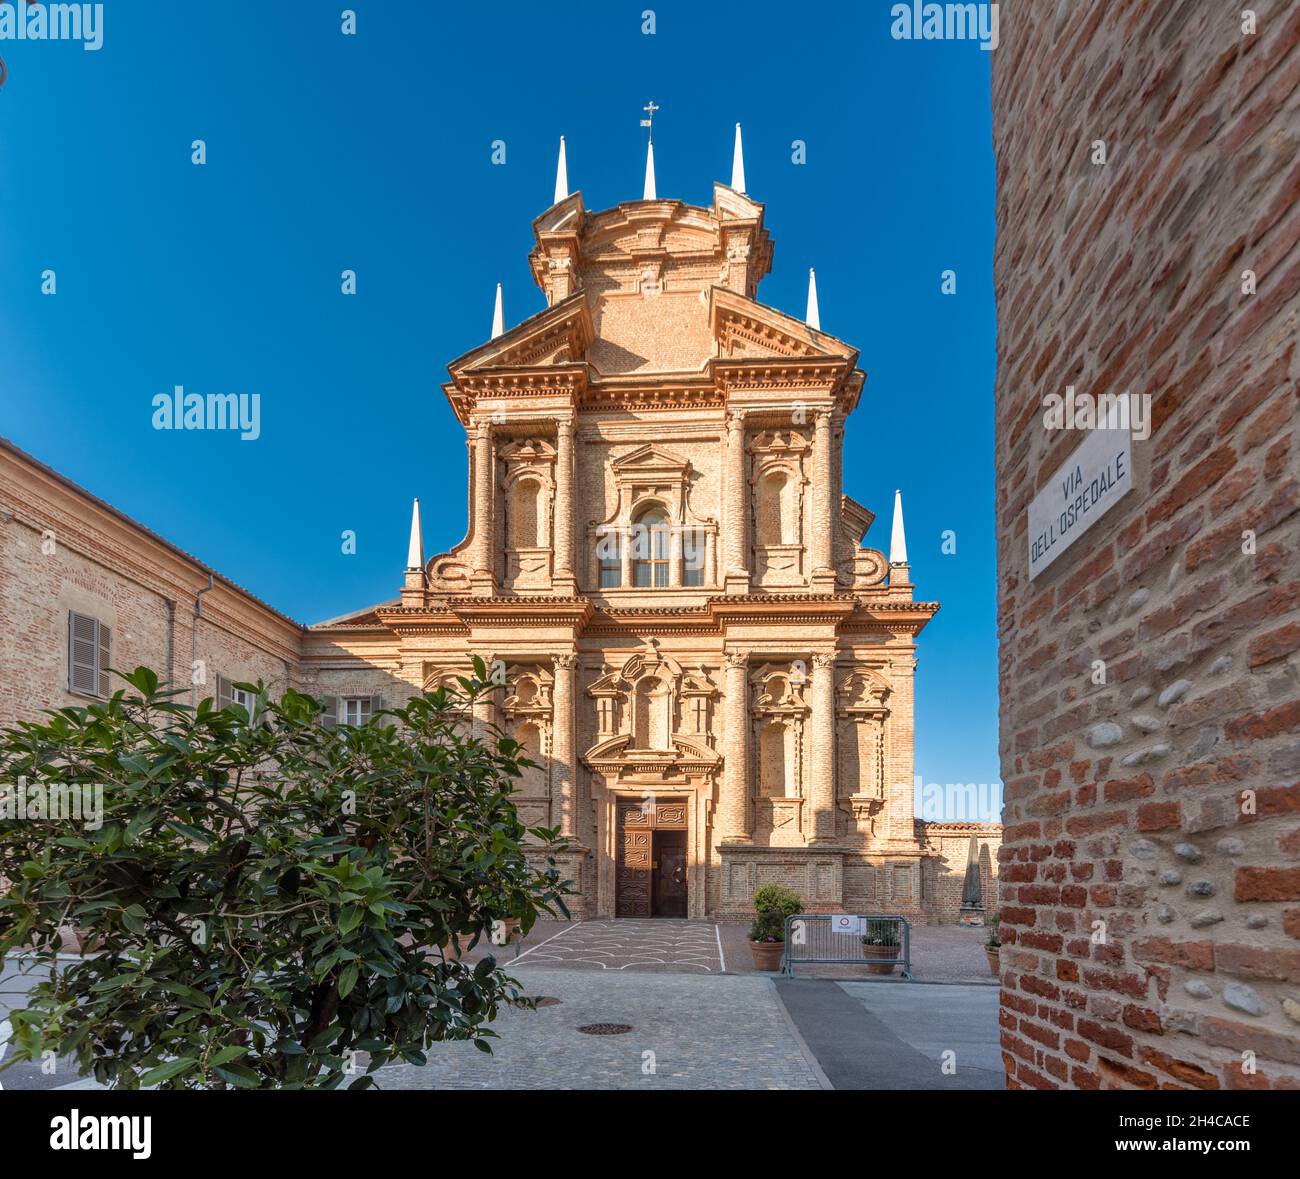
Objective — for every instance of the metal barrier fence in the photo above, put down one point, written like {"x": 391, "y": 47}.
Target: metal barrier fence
{"x": 841, "y": 939}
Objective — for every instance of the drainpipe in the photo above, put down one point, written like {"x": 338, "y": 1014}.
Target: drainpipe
{"x": 169, "y": 678}
{"x": 194, "y": 641}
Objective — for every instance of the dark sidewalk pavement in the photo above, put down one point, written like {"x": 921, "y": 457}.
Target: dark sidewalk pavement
{"x": 880, "y": 1035}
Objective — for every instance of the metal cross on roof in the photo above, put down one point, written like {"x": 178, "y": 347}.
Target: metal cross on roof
{"x": 649, "y": 109}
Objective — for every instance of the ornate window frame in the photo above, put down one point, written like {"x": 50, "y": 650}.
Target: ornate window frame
{"x": 784, "y": 816}
{"x": 650, "y": 476}
{"x": 788, "y": 451}
{"x": 862, "y": 698}
{"x": 528, "y": 567}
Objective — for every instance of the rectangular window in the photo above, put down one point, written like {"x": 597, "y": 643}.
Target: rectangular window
{"x": 88, "y": 648}
{"x": 227, "y": 694}
{"x": 609, "y": 555}
{"x": 243, "y": 697}
{"x": 354, "y": 710}
{"x": 692, "y": 557}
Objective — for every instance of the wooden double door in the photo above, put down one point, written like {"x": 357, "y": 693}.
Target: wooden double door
{"x": 650, "y": 873}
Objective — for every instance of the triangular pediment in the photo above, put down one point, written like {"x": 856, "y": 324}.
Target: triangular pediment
{"x": 746, "y": 329}
{"x": 650, "y": 457}
{"x": 559, "y": 335}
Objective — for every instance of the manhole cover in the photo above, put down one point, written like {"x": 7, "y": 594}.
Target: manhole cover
{"x": 549, "y": 1001}
{"x": 605, "y": 1029}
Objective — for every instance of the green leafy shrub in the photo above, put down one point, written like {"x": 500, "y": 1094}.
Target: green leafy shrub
{"x": 994, "y": 940}
{"x": 881, "y": 933}
{"x": 776, "y": 898}
{"x": 266, "y": 896}
{"x": 768, "y": 927}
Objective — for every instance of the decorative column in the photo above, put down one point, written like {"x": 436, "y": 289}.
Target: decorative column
{"x": 733, "y": 806}
{"x": 823, "y": 748}
{"x": 481, "y": 557}
{"x": 483, "y": 709}
{"x": 564, "y": 580}
{"x": 736, "y": 575}
{"x": 823, "y": 486}
{"x": 564, "y": 808}
{"x": 626, "y": 536}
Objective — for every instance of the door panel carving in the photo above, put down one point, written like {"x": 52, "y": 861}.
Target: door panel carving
{"x": 641, "y": 880}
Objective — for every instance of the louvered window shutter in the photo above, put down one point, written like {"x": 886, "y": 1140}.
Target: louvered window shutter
{"x": 104, "y": 637}
{"x": 223, "y": 695}
{"x": 330, "y": 717}
{"x": 83, "y": 655}
{"x": 376, "y": 703}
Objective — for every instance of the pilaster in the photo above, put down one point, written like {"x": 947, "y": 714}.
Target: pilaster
{"x": 564, "y": 776}
{"x": 737, "y": 505}
{"x": 734, "y": 821}
{"x": 564, "y": 579}
{"x": 822, "y": 723}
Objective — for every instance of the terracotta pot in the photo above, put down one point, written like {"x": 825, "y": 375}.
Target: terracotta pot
{"x": 992, "y": 953}
{"x": 886, "y": 952}
{"x": 88, "y": 943}
{"x": 464, "y": 939}
{"x": 767, "y": 955}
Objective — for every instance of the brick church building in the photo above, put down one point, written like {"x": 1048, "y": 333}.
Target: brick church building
{"x": 687, "y": 635}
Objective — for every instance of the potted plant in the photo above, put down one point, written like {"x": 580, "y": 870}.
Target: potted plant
{"x": 880, "y": 942}
{"x": 767, "y": 941}
{"x": 993, "y": 946}
{"x": 773, "y": 903}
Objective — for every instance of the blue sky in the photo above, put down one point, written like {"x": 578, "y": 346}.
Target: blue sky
{"x": 373, "y": 153}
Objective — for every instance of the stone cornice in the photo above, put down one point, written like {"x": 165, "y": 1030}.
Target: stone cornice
{"x": 782, "y": 608}
{"x": 524, "y": 611}
{"x": 901, "y": 617}
{"x": 845, "y": 612}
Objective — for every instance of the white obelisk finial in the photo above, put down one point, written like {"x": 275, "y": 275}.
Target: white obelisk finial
{"x": 738, "y": 165}
{"x": 498, "y": 316}
{"x": 897, "y": 541}
{"x": 561, "y": 176}
{"x": 415, "y": 549}
{"x": 648, "y": 192}
{"x": 813, "y": 319}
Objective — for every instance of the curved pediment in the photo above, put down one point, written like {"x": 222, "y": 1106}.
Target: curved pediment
{"x": 616, "y": 754}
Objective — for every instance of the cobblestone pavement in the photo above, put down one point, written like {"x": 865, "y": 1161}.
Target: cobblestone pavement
{"x": 630, "y": 944}
{"x": 17, "y": 975}
{"x": 688, "y": 1032}
{"x": 709, "y": 1018}
{"x": 940, "y": 953}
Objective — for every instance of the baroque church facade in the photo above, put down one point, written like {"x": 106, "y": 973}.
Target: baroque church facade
{"x": 686, "y": 633}
{"x": 713, "y": 675}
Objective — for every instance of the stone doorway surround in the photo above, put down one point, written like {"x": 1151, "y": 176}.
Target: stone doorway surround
{"x": 648, "y": 805}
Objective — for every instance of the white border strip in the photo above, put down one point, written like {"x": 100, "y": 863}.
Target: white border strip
{"x": 562, "y": 932}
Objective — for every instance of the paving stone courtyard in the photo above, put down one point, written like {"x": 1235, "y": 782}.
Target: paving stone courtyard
{"x": 688, "y": 1032}
{"x": 700, "y": 1017}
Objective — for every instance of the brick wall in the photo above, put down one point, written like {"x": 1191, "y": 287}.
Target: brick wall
{"x": 1162, "y": 803}
{"x": 946, "y": 872}
{"x": 63, "y": 550}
